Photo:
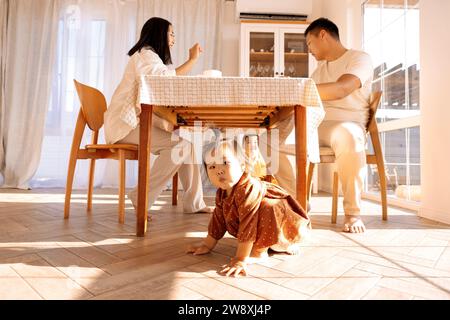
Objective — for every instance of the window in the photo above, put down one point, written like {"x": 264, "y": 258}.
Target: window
{"x": 391, "y": 37}
{"x": 70, "y": 57}
{"x": 80, "y": 54}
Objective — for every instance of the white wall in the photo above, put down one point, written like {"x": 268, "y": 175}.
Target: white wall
{"x": 231, "y": 26}
{"x": 347, "y": 14}
{"x": 435, "y": 110}
{"x": 230, "y": 41}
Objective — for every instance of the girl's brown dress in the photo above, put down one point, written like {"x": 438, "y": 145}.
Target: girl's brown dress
{"x": 260, "y": 212}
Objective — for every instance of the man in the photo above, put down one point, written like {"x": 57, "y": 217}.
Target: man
{"x": 343, "y": 79}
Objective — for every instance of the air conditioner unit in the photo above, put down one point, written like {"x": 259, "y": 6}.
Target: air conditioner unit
{"x": 274, "y": 10}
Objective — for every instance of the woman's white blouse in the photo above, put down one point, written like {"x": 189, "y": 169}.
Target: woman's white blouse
{"x": 145, "y": 62}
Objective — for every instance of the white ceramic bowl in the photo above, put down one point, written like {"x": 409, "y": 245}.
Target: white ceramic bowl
{"x": 212, "y": 73}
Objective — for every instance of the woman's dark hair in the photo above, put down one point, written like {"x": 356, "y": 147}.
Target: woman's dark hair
{"x": 323, "y": 24}
{"x": 154, "y": 36}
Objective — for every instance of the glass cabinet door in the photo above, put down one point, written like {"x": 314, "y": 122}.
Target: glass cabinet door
{"x": 262, "y": 55}
{"x": 295, "y": 55}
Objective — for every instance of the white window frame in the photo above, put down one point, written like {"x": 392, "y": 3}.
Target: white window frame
{"x": 402, "y": 123}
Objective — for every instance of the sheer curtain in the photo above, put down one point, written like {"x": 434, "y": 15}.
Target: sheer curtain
{"x": 27, "y": 58}
{"x": 193, "y": 21}
{"x": 3, "y": 25}
{"x": 93, "y": 39}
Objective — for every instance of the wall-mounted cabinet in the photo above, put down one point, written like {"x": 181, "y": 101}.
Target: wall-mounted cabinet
{"x": 272, "y": 49}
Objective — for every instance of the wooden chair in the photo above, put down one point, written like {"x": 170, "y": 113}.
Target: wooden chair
{"x": 175, "y": 189}
{"x": 327, "y": 156}
{"x": 93, "y": 106}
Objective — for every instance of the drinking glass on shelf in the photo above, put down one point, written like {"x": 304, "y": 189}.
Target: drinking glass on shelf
{"x": 252, "y": 70}
{"x": 259, "y": 69}
{"x": 291, "y": 70}
{"x": 266, "y": 70}
{"x": 263, "y": 71}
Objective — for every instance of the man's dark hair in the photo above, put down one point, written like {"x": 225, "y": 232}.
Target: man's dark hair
{"x": 154, "y": 36}
{"x": 323, "y": 24}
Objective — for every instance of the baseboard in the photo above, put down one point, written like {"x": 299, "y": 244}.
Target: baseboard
{"x": 435, "y": 215}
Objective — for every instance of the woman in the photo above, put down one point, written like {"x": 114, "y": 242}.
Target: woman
{"x": 151, "y": 56}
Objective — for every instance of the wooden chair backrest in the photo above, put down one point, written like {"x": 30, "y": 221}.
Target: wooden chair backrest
{"x": 372, "y": 130}
{"x": 93, "y": 105}
{"x": 375, "y": 99}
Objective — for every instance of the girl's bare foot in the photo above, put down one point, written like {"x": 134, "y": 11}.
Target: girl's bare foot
{"x": 293, "y": 249}
{"x": 256, "y": 256}
{"x": 354, "y": 224}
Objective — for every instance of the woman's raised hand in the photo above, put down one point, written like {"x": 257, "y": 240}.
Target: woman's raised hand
{"x": 195, "y": 51}
{"x": 186, "y": 67}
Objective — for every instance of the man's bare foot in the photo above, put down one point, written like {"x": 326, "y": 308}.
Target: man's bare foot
{"x": 354, "y": 224}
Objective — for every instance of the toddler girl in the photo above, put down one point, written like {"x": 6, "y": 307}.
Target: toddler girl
{"x": 259, "y": 214}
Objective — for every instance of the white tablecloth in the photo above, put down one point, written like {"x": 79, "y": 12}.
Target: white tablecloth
{"x": 229, "y": 91}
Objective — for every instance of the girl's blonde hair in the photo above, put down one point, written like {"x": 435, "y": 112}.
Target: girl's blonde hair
{"x": 216, "y": 151}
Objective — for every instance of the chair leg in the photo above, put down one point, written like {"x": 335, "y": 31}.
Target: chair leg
{"x": 122, "y": 182}
{"x": 383, "y": 191}
{"x": 310, "y": 176}
{"x": 69, "y": 184}
{"x": 334, "y": 206}
{"x": 175, "y": 190}
{"x": 90, "y": 185}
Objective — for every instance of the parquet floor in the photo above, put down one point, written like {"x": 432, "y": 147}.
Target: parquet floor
{"x": 91, "y": 256}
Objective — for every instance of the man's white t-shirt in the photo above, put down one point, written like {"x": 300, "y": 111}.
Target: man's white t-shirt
{"x": 354, "y": 107}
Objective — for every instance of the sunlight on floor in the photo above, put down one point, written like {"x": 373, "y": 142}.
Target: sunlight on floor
{"x": 93, "y": 256}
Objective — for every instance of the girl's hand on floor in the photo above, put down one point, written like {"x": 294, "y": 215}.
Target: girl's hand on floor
{"x": 234, "y": 268}
{"x": 198, "y": 250}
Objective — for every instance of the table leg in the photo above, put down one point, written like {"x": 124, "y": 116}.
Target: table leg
{"x": 144, "y": 169}
{"x": 301, "y": 155}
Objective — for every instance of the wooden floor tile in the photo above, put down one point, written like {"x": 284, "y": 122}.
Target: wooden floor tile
{"x": 92, "y": 256}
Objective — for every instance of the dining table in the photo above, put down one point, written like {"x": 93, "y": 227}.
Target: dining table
{"x": 225, "y": 102}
